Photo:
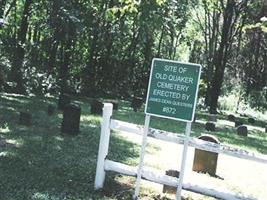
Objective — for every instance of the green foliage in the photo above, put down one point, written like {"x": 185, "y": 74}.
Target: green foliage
{"x": 104, "y": 48}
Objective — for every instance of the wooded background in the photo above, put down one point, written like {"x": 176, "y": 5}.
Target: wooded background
{"x": 104, "y": 48}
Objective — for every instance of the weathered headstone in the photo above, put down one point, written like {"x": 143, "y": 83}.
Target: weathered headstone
{"x": 136, "y": 103}
{"x": 71, "y": 119}
{"x": 210, "y": 126}
{"x": 205, "y": 161}
{"x": 238, "y": 123}
{"x": 251, "y": 120}
{"x": 50, "y": 110}
{"x": 115, "y": 104}
{"x": 212, "y": 118}
{"x": 231, "y": 118}
{"x": 170, "y": 189}
{"x": 242, "y": 130}
{"x": 63, "y": 100}
{"x": 96, "y": 107}
{"x": 25, "y": 118}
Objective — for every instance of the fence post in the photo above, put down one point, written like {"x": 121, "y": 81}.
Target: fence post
{"x": 103, "y": 146}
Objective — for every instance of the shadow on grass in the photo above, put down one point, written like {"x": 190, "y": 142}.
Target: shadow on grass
{"x": 38, "y": 162}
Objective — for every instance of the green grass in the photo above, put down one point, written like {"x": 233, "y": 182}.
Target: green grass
{"x": 256, "y": 140}
{"x": 38, "y": 162}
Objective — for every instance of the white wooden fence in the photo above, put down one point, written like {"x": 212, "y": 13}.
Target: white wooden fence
{"x": 104, "y": 164}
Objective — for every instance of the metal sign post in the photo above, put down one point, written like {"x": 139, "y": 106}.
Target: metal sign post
{"x": 172, "y": 93}
{"x": 182, "y": 169}
{"x": 141, "y": 162}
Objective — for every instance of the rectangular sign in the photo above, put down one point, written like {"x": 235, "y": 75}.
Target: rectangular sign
{"x": 172, "y": 89}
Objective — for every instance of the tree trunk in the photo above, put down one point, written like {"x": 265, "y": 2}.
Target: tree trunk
{"x": 16, "y": 71}
{"x": 64, "y": 69}
{"x": 221, "y": 56}
{"x": 90, "y": 70}
{"x": 2, "y": 8}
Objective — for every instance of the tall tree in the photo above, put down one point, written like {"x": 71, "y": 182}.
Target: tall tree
{"x": 17, "y": 71}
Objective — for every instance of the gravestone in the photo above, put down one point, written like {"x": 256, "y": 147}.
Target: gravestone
{"x": 25, "y": 118}
{"x": 251, "y": 120}
{"x": 115, "y": 104}
{"x": 63, "y": 100}
{"x": 242, "y": 130}
{"x": 50, "y": 109}
{"x": 170, "y": 189}
{"x": 212, "y": 118}
{"x": 96, "y": 107}
{"x": 136, "y": 103}
{"x": 238, "y": 123}
{"x": 210, "y": 126}
{"x": 205, "y": 161}
{"x": 71, "y": 119}
{"x": 231, "y": 118}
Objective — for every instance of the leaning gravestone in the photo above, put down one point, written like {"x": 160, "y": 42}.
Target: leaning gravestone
{"x": 205, "y": 161}
{"x": 231, "y": 118}
{"x": 96, "y": 107}
{"x": 242, "y": 130}
{"x": 251, "y": 120}
{"x": 25, "y": 118}
{"x": 238, "y": 123}
{"x": 170, "y": 189}
{"x": 136, "y": 103}
{"x": 210, "y": 126}
{"x": 71, "y": 119}
{"x": 63, "y": 100}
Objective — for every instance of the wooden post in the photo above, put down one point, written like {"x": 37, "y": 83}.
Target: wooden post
{"x": 182, "y": 169}
{"x": 141, "y": 162}
{"x": 103, "y": 146}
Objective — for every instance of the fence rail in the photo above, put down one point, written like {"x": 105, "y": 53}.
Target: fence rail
{"x": 193, "y": 142}
{"x": 104, "y": 165}
{"x": 158, "y": 177}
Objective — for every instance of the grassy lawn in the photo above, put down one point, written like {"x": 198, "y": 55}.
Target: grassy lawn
{"x": 38, "y": 162}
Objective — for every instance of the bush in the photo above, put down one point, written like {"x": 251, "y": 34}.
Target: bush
{"x": 228, "y": 102}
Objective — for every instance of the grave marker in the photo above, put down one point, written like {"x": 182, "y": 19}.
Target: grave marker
{"x": 242, "y": 130}
{"x": 238, "y": 123}
{"x": 231, "y": 118}
{"x": 205, "y": 161}
{"x": 251, "y": 120}
{"x": 71, "y": 119}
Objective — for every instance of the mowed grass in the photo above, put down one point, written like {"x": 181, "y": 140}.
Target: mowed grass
{"x": 38, "y": 162}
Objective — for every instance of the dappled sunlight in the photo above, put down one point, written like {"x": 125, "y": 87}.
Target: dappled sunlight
{"x": 17, "y": 142}
{"x": 91, "y": 118}
{"x": 5, "y": 130}
{"x": 59, "y": 138}
{"x": 7, "y": 154}
{"x": 13, "y": 98}
{"x": 40, "y": 196}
